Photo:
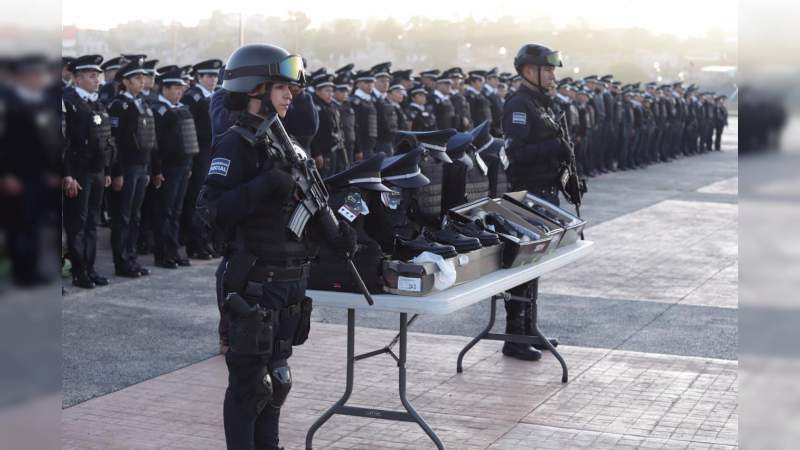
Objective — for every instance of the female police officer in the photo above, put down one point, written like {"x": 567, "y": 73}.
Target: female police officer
{"x": 248, "y": 197}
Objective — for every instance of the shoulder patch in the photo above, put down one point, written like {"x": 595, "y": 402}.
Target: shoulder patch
{"x": 124, "y": 105}
{"x": 519, "y": 118}
{"x": 219, "y": 166}
{"x": 196, "y": 97}
{"x": 161, "y": 110}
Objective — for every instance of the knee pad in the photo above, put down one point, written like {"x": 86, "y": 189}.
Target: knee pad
{"x": 281, "y": 383}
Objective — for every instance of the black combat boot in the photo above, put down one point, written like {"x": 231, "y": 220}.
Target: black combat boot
{"x": 515, "y": 324}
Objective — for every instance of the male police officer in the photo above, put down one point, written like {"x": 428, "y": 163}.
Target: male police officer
{"x": 249, "y": 197}
{"x": 90, "y": 152}
{"x": 197, "y": 99}
{"x": 535, "y": 148}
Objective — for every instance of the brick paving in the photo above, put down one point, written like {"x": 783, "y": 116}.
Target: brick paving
{"x": 615, "y": 399}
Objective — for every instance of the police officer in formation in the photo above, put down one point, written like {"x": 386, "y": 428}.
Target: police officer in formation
{"x": 177, "y": 147}
{"x": 133, "y": 126}
{"x": 90, "y": 153}
{"x": 197, "y": 100}
{"x": 366, "y": 115}
{"x": 418, "y": 112}
{"x": 387, "y": 114}
{"x": 327, "y": 146}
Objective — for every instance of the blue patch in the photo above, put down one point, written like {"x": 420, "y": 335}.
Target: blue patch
{"x": 519, "y": 118}
{"x": 219, "y": 166}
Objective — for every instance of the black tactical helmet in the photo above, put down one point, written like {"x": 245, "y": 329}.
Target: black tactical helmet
{"x": 538, "y": 55}
{"x": 253, "y": 64}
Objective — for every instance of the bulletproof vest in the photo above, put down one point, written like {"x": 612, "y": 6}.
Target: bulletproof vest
{"x": 383, "y": 222}
{"x": 101, "y": 134}
{"x": 462, "y": 111}
{"x": 618, "y": 110}
{"x": 97, "y": 150}
{"x": 387, "y": 120}
{"x": 368, "y": 113}
{"x": 480, "y": 107}
{"x": 454, "y": 176}
{"x": 477, "y": 181}
{"x": 146, "y": 128}
{"x": 348, "y": 120}
{"x": 264, "y": 233}
{"x": 445, "y": 113}
{"x": 573, "y": 117}
{"x": 545, "y": 172}
{"x": 498, "y": 180}
{"x": 187, "y": 134}
{"x": 590, "y": 122}
{"x": 422, "y": 120}
{"x": 429, "y": 198}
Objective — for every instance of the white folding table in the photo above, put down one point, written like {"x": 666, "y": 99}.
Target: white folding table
{"x": 492, "y": 286}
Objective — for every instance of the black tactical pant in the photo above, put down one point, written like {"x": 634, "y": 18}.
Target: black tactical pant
{"x": 126, "y": 208}
{"x": 520, "y": 312}
{"x": 718, "y": 138}
{"x": 169, "y": 205}
{"x": 194, "y": 233}
{"x": 251, "y": 422}
{"x": 81, "y": 217}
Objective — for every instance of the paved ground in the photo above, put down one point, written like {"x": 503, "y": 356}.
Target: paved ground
{"x": 649, "y": 323}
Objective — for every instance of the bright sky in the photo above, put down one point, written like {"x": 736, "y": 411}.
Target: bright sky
{"x": 680, "y": 17}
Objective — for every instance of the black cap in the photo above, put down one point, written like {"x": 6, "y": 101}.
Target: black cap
{"x": 132, "y": 68}
{"x": 365, "y": 175}
{"x": 382, "y": 70}
{"x": 165, "y": 69}
{"x": 343, "y": 80}
{"x": 417, "y": 89}
{"x": 432, "y": 73}
{"x": 125, "y": 58}
{"x": 150, "y": 65}
{"x": 208, "y": 67}
{"x": 348, "y": 68}
{"x": 172, "y": 77}
{"x": 111, "y": 64}
{"x": 402, "y": 74}
{"x": 481, "y": 138}
{"x": 434, "y": 142}
{"x": 318, "y": 72}
{"x": 477, "y": 75}
{"x": 607, "y": 78}
{"x": 444, "y": 77}
{"x": 403, "y": 170}
{"x": 492, "y": 73}
{"x": 455, "y": 72}
{"x": 396, "y": 85}
{"x": 65, "y": 60}
{"x": 187, "y": 72}
{"x": 364, "y": 75}
{"x": 86, "y": 62}
{"x": 322, "y": 80}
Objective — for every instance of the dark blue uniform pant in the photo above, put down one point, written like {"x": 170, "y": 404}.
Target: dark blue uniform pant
{"x": 169, "y": 206}
{"x": 195, "y": 234}
{"x": 126, "y": 215}
{"x": 247, "y": 428}
{"x": 531, "y": 288}
{"x": 81, "y": 217}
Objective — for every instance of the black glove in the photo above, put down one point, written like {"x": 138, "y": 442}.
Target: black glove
{"x": 345, "y": 243}
{"x": 280, "y": 182}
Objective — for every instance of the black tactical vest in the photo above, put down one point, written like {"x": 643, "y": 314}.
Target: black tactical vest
{"x": 445, "y": 113}
{"x": 429, "y": 198}
{"x": 145, "y": 127}
{"x": 264, "y": 233}
{"x": 387, "y": 120}
{"x": 187, "y": 134}
{"x": 477, "y": 181}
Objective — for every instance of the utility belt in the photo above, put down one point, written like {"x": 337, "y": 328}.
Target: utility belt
{"x": 253, "y": 326}
{"x": 268, "y": 273}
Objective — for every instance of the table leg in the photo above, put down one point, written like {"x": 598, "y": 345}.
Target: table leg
{"x": 340, "y": 406}
{"x": 548, "y": 342}
{"x": 351, "y": 331}
{"x": 480, "y": 336}
{"x": 402, "y": 380}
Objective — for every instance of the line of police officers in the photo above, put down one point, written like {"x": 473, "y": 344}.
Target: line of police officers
{"x": 145, "y": 133}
